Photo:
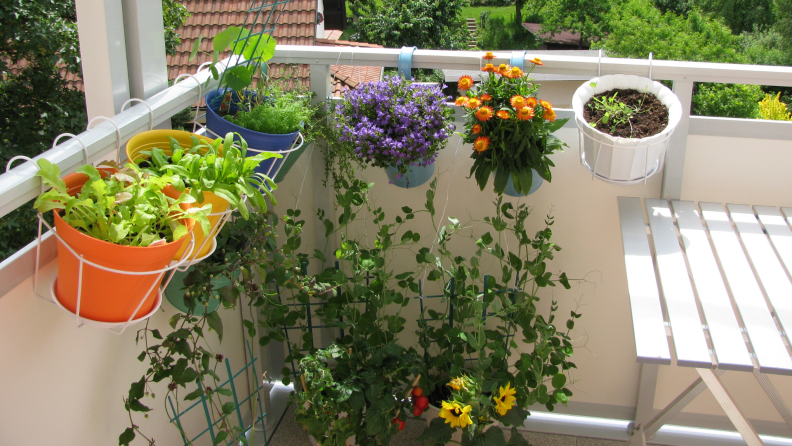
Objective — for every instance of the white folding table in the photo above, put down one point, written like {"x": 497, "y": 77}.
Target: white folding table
{"x": 724, "y": 297}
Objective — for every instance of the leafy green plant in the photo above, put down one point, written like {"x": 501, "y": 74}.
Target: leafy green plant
{"x": 615, "y": 111}
{"x": 727, "y": 100}
{"x": 220, "y": 167}
{"x": 772, "y": 108}
{"x": 256, "y": 50}
{"x": 123, "y": 207}
{"x": 273, "y": 110}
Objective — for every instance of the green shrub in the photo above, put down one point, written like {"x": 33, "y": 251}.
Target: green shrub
{"x": 727, "y": 100}
{"x": 499, "y": 33}
{"x": 285, "y": 112}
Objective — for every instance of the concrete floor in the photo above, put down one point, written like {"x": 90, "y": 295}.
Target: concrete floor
{"x": 289, "y": 433}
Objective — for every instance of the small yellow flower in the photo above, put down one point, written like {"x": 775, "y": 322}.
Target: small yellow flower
{"x": 517, "y": 102}
{"x": 459, "y": 383}
{"x": 465, "y": 82}
{"x": 503, "y": 69}
{"x": 505, "y": 400}
{"x": 489, "y": 56}
{"x": 536, "y": 61}
{"x": 516, "y": 72}
{"x": 545, "y": 104}
{"x": 484, "y": 113}
{"x": 474, "y": 103}
{"x": 455, "y": 414}
{"x": 489, "y": 68}
{"x": 481, "y": 144}
{"x": 531, "y": 102}
{"x": 461, "y": 101}
{"x": 476, "y": 129}
{"x": 486, "y": 97}
{"x": 525, "y": 113}
{"x": 503, "y": 114}
{"x": 549, "y": 114}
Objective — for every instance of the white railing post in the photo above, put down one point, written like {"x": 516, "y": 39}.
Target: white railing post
{"x": 103, "y": 53}
{"x": 145, "y": 47}
{"x": 675, "y": 155}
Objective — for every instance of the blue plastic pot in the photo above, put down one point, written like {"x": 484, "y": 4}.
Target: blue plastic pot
{"x": 416, "y": 175}
{"x": 257, "y": 141}
{"x": 536, "y": 181}
{"x": 174, "y": 293}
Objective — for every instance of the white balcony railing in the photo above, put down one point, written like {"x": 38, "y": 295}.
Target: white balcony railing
{"x": 19, "y": 185}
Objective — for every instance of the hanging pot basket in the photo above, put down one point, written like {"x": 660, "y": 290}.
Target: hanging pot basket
{"x": 416, "y": 175}
{"x": 623, "y": 160}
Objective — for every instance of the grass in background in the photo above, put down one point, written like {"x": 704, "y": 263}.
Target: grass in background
{"x": 495, "y": 11}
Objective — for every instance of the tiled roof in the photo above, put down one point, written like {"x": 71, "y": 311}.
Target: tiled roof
{"x": 349, "y": 76}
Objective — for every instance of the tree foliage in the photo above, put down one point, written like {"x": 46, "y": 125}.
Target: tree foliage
{"x": 590, "y": 18}
{"x": 741, "y": 15}
{"x": 427, "y": 24}
{"x": 727, "y": 100}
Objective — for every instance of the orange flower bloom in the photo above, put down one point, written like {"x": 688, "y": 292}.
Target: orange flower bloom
{"x": 531, "y": 102}
{"x": 474, "y": 103}
{"x": 486, "y": 97}
{"x": 503, "y": 69}
{"x": 525, "y": 113}
{"x": 536, "y": 61}
{"x": 484, "y": 113}
{"x": 489, "y": 68}
{"x": 549, "y": 114}
{"x": 489, "y": 56}
{"x": 461, "y": 101}
{"x": 517, "y": 102}
{"x": 546, "y": 105}
{"x": 465, "y": 82}
{"x": 516, "y": 72}
{"x": 503, "y": 114}
{"x": 481, "y": 144}
{"x": 476, "y": 129}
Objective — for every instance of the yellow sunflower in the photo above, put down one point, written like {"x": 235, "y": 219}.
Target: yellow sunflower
{"x": 459, "y": 383}
{"x": 505, "y": 400}
{"x": 455, "y": 414}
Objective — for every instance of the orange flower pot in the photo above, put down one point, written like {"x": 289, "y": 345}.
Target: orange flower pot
{"x": 109, "y": 296}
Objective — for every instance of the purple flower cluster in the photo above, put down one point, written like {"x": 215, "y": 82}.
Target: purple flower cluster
{"x": 394, "y": 122}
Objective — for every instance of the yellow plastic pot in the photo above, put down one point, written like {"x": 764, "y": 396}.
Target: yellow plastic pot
{"x": 160, "y": 139}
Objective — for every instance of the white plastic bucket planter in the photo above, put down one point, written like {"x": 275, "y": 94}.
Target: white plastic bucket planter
{"x": 623, "y": 160}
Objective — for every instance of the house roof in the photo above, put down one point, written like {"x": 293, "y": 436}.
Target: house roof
{"x": 349, "y": 76}
{"x": 563, "y": 37}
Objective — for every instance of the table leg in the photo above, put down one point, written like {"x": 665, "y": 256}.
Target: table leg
{"x": 734, "y": 413}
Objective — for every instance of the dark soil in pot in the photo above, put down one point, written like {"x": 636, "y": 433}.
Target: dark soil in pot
{"x": 649, "y": 115}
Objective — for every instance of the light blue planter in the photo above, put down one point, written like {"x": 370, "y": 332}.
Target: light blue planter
{"x": 415, "y": 176}
{"x": 174, "y": 293}
{"x": 255, "y": 140}
{"x": 536, "y": 182}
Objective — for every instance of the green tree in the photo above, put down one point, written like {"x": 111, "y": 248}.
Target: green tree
{"x": 638, "y": 28}
{"x": 741, "y": 15}
{"x": 427, "y": 24}
{"x": 783, "y": 24}
{"x": 765, "y": 48}
{"x": 680, "y": 7}
{"x": 587, "y": 17}
{"x": 727, "y": 100}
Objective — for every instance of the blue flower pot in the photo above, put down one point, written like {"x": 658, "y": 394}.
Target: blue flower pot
{"x": 536, "y": 181}
{"x": 174, "y": 293}
{"x": 415, "y": 176}
{"x": 257, "y": 142}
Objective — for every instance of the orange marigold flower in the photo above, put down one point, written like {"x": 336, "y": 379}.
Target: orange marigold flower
{"x": 474, "y": 103}
{"x": 489, "y": 56}
{"x": 465, "y": 82}
{"x": 531, "y": 102}
{"x": 503, "y": 69}
{"x": 481, "y": 144}
{"x": 476, "y": 129}
{"x": 503, "y": 114}
{"x": 516, "y": 72}
{"x": 546, "y": 105}
{"x": 517, "y": 102}
{"x": 486, "y": 97}
{"x": 536, "y": 61}
{"x": 549, "y": 114}
{"x": 525, "y": 113}
{"x": 489, "y": 68}
{"x": 461, "y": 101}
{"x": 484, "y": 113}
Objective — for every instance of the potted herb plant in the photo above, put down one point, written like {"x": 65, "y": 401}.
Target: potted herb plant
{"x": 396, "y": 125}
{"x": 268, "y": 116}
{"x": 626, "y": 123}
{"x": 119, "y": 218}
{"x": 511, "y": 129}
{"x": 215, "y": 172}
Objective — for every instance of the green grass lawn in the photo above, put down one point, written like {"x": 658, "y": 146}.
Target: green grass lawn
{"x": 495, "y": 11}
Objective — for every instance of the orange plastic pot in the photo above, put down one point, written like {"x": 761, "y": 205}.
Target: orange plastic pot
{"x": 109, "y": 296}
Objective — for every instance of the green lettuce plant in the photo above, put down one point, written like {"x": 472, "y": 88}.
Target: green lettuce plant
{"x": 220, "y": 167}
{"x": 126, "y": 207}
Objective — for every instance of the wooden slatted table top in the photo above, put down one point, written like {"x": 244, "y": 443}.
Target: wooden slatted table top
{"x": 717, "y": 276}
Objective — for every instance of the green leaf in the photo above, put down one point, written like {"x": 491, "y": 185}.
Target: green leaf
{"x": 438, "y": 432}
{"x": 137, "y": 406}
{"x": 221, "y": 436}
{"x": 129, "y": 435}
{"x": 501, "y": 179}
{"x": 237, "y": 78}
{"x": 434, "y": 275}
{"x": 226, "y": 37}
{"x": 194, "y": 395}
{"x": 494, "y": 437}
{"x": 137, "y": 390}
{"x": 228, "y": 408}
{"x": 215, "y": 323}
{"x": 559, "y": 380}
{"x": 516, "y": 416}
{"x": 517, "y": 439}
{"x": 223, "y": 391}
